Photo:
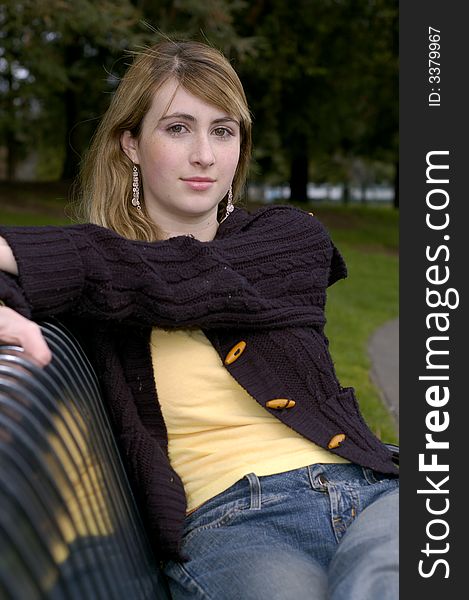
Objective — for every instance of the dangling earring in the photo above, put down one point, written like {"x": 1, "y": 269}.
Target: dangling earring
{"x": 229, "y": 204}
{"x": 135, "y": 189}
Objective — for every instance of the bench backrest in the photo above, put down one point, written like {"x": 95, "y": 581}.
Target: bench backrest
{"x": 69, "y": 527}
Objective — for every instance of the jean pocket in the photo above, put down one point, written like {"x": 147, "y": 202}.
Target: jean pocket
{"x": 212, "y": 517}
{"x": 373, "y": 477}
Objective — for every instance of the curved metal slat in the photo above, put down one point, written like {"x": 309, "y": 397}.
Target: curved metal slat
{"x": 69, "y": 526}
{"x": 54, "y": 466}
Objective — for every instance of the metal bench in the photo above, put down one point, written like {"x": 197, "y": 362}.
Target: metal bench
{"x": 69, "y": 526}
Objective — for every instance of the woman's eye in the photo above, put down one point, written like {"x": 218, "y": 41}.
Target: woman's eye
{"x": 176, "y": 129}
{"x": 222, "y": 132}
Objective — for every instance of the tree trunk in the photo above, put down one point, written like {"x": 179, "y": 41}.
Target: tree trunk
{"x": 346, "y": 194}
{"x": 72, "y": 158}
{"x": 10, "y": 134}
{"x": 299, "y": 174}
{"x": 10, "y": 154}
{"x": 363, "y": 187}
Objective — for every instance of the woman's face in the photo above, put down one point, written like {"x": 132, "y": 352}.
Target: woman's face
{"x": 187, "y": 152}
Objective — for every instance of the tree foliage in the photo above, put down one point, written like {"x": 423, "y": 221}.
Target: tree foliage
{"x": 320, "y": 75}
{"x": 323, "y": 84}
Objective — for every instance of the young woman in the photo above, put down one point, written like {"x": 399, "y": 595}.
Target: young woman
{"x": 256, "y": 474}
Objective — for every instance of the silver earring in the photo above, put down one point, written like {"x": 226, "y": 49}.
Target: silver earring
{"x": 229, "y": 204}
{"x": 135, "y": 189}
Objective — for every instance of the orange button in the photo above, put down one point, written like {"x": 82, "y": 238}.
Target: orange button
{"x": 336, "y": 441}
{"x": 235, "y": 353}
{"x": 279, "y": 403}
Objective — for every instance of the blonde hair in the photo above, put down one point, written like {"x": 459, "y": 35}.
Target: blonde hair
{"x": 106, "y": 174}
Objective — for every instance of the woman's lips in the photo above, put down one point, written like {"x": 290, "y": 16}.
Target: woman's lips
{"x": 199, "y": 184}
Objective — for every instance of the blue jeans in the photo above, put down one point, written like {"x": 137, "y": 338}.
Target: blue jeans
{"x": 323, "y": 531}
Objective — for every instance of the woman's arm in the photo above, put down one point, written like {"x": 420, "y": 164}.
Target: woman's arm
{"x": 90, "y": 271}
{"x": 19, "y": 331}
{"x": 15, "y": 326}
{"x": 248, "y": 279}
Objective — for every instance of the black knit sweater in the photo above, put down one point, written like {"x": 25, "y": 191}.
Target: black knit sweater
{"x": 262, "y": 280}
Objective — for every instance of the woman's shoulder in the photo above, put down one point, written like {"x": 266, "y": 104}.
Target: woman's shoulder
{"x": 271, "y": 210}
{"x": 280, "y": 217}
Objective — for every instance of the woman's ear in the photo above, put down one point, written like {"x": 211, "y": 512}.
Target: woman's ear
{"x": 129, "y": 145}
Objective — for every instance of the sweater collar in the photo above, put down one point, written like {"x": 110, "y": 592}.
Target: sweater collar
{"x": 237, "y": 220}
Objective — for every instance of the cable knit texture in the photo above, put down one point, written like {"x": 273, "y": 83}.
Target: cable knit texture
{"x": 262, "y": 280}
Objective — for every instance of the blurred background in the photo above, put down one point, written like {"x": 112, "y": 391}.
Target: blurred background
{"x": 320, "y": 77}
{"x": 321, "y": 80}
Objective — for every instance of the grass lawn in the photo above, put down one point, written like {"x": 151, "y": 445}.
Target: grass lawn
{"x": 368, "y": 239}
{"x": 33, "y": 203}
{"x": 11, "y": 218}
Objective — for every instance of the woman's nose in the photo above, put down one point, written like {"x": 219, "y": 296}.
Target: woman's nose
{"x": 202, "y": 152}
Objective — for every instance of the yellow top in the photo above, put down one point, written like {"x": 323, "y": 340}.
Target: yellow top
{"x": 217, "y": 432}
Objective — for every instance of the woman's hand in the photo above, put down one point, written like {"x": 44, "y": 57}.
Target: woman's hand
{"x": 7, "y": 259}
{"x": 19, "y": 331}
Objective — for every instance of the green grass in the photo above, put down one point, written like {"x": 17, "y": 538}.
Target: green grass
{"x": 368, "y": 239}
{"x": 357, "y": 306}
{"x": 29, "y": 203}
{"x": 373, "y": 228}
{"x": 26, "y": 218}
